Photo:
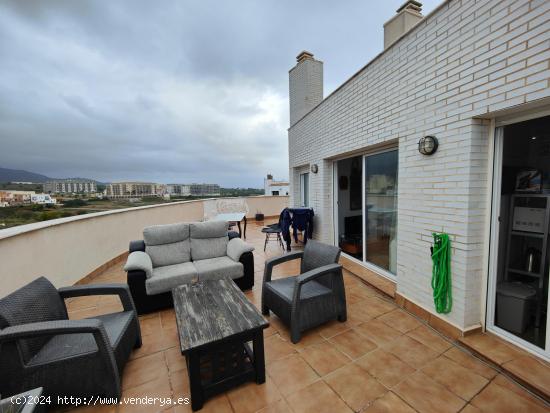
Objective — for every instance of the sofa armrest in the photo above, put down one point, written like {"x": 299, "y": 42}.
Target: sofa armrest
{"x": 139, "y": 261}
{"x": 237, "y": 247}
{"x": 138, "y": 245}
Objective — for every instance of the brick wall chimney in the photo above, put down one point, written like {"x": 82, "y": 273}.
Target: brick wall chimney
{"x": 407, "y": 16}
{"x": 305, "y": 86}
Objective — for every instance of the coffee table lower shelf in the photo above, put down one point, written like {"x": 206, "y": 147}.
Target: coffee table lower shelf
{"x": 222, "y": 365}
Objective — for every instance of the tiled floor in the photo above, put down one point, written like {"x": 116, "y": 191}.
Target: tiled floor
{"x": 381, "y": 360}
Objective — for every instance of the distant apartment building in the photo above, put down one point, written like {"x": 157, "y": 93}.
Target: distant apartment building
{"x": 70, "y": 186}
{"x": 193, "y": 189}
{"x": 272, "y": 187}
{"x": 134, "y": 190}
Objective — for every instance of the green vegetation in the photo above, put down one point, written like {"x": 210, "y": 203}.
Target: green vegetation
{"x": 21, "y": 187}
{"x": 27, "y": 214}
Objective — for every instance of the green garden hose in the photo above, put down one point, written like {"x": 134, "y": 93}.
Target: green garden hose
{"x": 441, "y": 273}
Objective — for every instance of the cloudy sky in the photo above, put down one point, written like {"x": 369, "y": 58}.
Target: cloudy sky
{"x": 168, "y": 91}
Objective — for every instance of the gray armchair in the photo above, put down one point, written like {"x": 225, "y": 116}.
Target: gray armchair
{"x": 41, "y": 347}
{"x": 312, "y": 298}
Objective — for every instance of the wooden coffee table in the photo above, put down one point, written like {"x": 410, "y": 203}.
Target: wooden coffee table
{"x": 215, "y": 324}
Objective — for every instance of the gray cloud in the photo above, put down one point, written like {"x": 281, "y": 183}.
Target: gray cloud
{"x": 165, "y": 91}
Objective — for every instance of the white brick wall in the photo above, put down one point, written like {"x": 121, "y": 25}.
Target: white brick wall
{"x": 306, "y": 88}
{"x": 468, "y": 59}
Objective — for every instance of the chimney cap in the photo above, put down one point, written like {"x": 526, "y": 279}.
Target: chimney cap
{"x": 303, "y": 56}
{"x": 411, "y": 5}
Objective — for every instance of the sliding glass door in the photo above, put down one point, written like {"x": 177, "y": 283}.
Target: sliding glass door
{"x": 366, "y": 208}
{"x": 380, "y": 208}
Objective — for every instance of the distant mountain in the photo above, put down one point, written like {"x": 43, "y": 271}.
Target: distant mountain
{"x": 19, "y": 175}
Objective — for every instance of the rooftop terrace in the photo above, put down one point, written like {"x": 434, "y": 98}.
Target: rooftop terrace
{"x": 383, "y": 359}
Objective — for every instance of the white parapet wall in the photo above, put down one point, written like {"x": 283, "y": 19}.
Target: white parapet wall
{"x": 67, "y": 249}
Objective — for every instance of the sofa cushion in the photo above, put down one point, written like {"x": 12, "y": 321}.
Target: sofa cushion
{"x": 219, "y": 267}
{"x": 208, "y": 239}
{"x": 167, "y": 244}
{"x": 167, "y": 277}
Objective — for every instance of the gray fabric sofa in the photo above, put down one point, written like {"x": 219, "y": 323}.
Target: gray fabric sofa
{"x": 175, "y": 254}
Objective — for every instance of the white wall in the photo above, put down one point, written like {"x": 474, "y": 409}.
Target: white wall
{"x": 468, "y": 59}
{"x": 67, "y": 249}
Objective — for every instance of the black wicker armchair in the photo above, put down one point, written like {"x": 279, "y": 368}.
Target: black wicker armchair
{"x": 41, "y": 347}
{"x": 312, "y": 298}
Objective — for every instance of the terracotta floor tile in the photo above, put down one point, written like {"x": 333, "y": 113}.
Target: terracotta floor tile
{"x": 217, "y": 404}
{"x": 144, "y": 369}
{"x": 470, "y": 362}
{"x": 375, "y": 306}
{"x": 175, "y": 361}
{"x": 531, "y": 371}
{"x": 154, "y": 343}
{"x": 276, "y": 348}
{"x": 355, "y": 386}
{"x": 492, "y": 348}
{"x": 512, "y": 386}
{"x": 150, "y": 326}
{"x": 400, "y": 320}
{"x": 495, "y": 398}
{"x": 378, "y": 332}
{"x": 168, "y": 318}
{"x": 360, "y": 311}
{"x": 324, "y": 358}
{"x": 461, "y": 381}
{"x": 334, "y": 327}
{"x": 159, "y": 388}
{"x": 317, "y": 398}
{"x": 389, "y": 403}
{"x": 179, "y": 382}
{"x": 470, "y": 408}
{"x": 251, "y": 397}
{"x": 412, "y": 352}
{"x": 291, "y": 374}
{"x": 280, "y": 406}
{"x": 427, "y": 396}
{"x": 430, "y": 338}
{"x": 308, "y": 338}
{"x": 385, "y": 367}
{"x": 353, "y": 344}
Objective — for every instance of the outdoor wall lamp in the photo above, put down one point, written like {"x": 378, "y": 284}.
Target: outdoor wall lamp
{"x": 314, "y": 168}
{"x": 427, "y": 145}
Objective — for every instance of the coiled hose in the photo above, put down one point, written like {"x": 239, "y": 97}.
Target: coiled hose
{"x": 441, "y": 273}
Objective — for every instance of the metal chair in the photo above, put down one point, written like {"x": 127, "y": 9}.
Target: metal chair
{"x": 273, "y": 230}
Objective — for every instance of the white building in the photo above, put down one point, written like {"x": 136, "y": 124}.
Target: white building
{"x": 193, "y": 189}
{"x": 43, "y": 199}
{"x": 134, "y": 190}
{"x": 272, "y": 187}
{"x": 475, "y": 75}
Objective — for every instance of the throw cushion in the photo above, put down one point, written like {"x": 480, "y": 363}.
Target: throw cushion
{"x": 208, "y": 239}
{"x": 217, "y": 268}
{"x": 167, "y": 244}
{"x": 170, "y": 276}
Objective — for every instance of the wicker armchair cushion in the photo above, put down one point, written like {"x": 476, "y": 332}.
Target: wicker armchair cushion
{"x": 167, "y": 244}
{"x": 37, "y": 301}
{"x": 208, "y": 239}
{"x": 284, "y": 288}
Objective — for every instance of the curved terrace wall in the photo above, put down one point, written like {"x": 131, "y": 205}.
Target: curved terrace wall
{"x": 66, "y": 250}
